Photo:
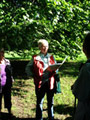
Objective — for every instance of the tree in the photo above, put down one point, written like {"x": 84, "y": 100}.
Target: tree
{"x": 62, "y": 23}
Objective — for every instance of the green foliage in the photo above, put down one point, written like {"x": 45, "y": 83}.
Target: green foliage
{"x": 62, "y": 23}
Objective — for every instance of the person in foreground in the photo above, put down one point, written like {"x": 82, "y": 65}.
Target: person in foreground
{"x": 81, "y": 87}
{"x": 6, "y": 80}
{"x": 44, "y": 81}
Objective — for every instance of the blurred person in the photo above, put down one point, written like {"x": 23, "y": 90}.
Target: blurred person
{"x": 81, "y": 87}
{"x": 6, "y": 80}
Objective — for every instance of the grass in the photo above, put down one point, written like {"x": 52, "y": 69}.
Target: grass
{"x": 24, "y": 99}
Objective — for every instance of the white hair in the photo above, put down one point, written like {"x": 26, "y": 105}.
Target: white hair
{"x": 42, "y": 42}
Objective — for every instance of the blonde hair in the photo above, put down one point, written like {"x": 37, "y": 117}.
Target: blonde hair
{"x": 42, "y": 42}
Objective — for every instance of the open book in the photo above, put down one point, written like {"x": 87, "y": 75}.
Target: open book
{"x": 55, "y": 66}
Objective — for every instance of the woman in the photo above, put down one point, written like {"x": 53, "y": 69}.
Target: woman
{"x": 5, "y": 82}
{"x": 44, "y": 80}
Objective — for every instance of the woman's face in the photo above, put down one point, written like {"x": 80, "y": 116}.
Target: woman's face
{"x": 44, "y": 49}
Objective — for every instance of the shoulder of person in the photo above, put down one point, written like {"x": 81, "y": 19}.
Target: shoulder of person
{"x": 49, "y": 54}
{"x": 85, "y": 68}
{"x": 7, "y": 61}
{"x": 35, "y": 56}
{"x": 87, "y": 65}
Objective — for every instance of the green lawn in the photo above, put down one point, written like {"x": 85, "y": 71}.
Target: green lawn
{"x": 24, "y": 99}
